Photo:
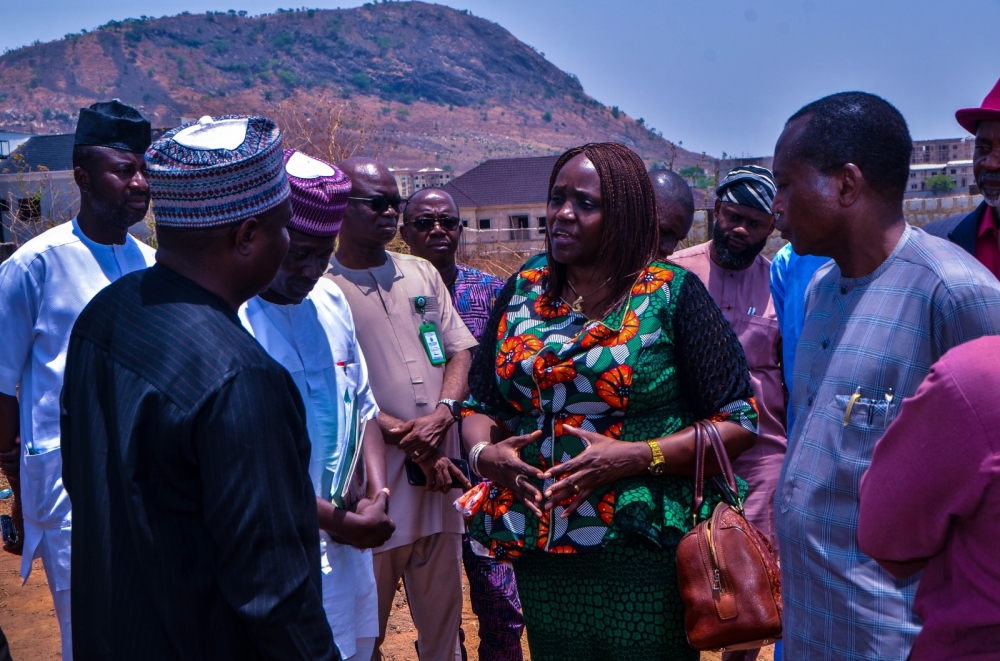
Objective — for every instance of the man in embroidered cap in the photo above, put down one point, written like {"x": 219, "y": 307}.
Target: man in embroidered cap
{"x": 978, "y": 232}
{"x": 738, "y": 278}
{"x": 185, "y": 445}
{"x": 43, "y": 288}
{"x": 304, "y": 322}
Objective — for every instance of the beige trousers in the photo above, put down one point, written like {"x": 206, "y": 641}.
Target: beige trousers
{"x": 431, "y": 569}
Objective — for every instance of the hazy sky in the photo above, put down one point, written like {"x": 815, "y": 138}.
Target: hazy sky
{"x": 718, "y": 75}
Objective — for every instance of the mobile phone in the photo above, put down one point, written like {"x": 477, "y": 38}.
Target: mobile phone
{"x": 8, "y": 529}
{"x": 416, "y": 477}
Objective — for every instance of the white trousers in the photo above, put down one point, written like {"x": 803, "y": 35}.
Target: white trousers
{"x": 365, "y": 647}
{"x": 60, "y": 599}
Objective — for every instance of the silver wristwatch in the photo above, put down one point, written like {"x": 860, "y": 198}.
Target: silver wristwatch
{"x": 454, "y": 407}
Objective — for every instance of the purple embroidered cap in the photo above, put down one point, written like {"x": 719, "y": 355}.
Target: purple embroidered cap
{"x": 319, "y": 194}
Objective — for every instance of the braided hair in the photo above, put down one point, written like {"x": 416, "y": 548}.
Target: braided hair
{"x": 630, "y": 235}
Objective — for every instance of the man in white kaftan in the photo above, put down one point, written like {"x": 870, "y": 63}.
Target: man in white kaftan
{"x": 304, "y": 322}
{"x": 44, "y": 286}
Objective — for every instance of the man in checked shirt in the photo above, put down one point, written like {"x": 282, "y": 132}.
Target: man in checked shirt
{"x": 890, "y": 304}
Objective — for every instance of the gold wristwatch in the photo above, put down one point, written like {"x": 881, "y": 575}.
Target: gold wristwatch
{"x": 658, "y": 465}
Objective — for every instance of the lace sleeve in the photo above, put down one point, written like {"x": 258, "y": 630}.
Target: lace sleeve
{"x": 484, "y": 394}
{"x": 711, "y": 364}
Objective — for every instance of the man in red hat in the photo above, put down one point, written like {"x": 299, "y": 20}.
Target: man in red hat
{"x": 977, "y": 232}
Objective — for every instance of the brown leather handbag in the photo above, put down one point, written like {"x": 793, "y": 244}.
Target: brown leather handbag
{"x": 728, "y": 573}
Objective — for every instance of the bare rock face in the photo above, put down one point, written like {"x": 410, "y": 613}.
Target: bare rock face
{"x": 434, "y": 78}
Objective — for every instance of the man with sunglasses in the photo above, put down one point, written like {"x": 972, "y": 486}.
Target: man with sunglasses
{"x": 432, "y": 230}
{"x": 418, "y": 354}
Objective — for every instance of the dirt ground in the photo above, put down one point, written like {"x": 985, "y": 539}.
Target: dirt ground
{"x": 29, "y": 621}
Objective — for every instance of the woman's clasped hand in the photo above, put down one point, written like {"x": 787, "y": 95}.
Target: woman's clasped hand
{"x": 605, "y": 460}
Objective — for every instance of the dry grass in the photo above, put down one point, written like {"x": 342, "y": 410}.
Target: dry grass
{"x": 502, "y": 263}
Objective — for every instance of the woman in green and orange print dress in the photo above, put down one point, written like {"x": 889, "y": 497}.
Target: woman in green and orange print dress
{"x": 583, "y": 411}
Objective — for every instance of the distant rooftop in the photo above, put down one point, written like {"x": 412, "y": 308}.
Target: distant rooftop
{"x": 938, "y": 166}
{"x": 54, "y": 152}
{"x": 11, "y": 140}
{"x": 504, "y": 181}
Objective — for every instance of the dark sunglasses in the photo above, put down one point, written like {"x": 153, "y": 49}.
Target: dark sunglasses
{"x": 426, "y": 223}
{"x": 381, "y": 203}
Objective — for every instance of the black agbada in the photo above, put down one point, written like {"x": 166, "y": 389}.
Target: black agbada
{"x": 185, "y": 454}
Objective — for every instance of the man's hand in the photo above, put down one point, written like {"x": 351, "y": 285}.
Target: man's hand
{"x": 440, "y": 473}
{"x": 10, "y": 463}
{"x": 369, "y": 526}
{"x": 426, "y": 433}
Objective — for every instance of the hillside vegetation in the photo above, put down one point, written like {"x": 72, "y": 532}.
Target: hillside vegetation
{"x": 434, "y": 85}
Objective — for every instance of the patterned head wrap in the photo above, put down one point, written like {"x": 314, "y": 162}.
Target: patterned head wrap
{"x": 748, "y": 186}
{"x": 217, "y": 171}
{"x": 319, "y": 194}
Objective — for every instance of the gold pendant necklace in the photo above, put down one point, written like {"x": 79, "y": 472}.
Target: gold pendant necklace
{"x": 577, "y": 305}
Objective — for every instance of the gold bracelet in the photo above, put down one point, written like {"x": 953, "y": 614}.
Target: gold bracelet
{"x": 659, "y": 464}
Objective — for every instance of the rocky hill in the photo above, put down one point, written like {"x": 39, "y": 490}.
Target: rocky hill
{"x": 421, "y": 84}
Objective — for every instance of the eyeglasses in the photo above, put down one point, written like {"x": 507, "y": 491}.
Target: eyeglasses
{"x": 427, "y": 223}
{"x": 381, "y": 203}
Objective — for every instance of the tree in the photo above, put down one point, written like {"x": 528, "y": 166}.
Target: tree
{"x": 329, "y": 128}
{"x": 24, "y": 201}
{"x": 940, "y": 183}
{"x": 697, "y": 176}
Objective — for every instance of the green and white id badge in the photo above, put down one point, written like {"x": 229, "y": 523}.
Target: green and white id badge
{"x": 428, "y": 333}
{"x": 432, "y": 343}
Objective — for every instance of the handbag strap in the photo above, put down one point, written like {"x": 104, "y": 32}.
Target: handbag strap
{"x": 720, "y": 453}
{"x": 699, "y": 471}
{"x": 706, "y": 434}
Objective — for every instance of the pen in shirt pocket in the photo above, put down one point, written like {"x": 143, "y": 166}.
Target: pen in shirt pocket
{"x": 850, "y": 405}
{"x": 751, "y": 311}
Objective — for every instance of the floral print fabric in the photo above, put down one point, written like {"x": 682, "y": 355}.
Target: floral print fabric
{"x": 618, "y": 376}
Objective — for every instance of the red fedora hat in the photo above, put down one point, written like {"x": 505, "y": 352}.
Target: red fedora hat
{"x": 969, "y": 118}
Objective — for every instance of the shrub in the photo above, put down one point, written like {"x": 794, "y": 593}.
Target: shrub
{"x": 287, "y": 77}
{"x": 283, "y": 41}
{"x": 547, "y": 116}
{"x": 361, "y": 80}
{"x": 940, "y": 183}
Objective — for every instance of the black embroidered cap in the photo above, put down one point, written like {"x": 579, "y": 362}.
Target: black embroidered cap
{"x": 113, "y": 124}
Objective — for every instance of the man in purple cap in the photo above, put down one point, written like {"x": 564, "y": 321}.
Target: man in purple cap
{"x": 978, "y": 232}
{"x": 304, "y": 322}
{"x": 43, "y": 288}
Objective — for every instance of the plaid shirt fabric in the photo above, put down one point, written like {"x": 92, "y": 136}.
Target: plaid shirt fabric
{"x": 863, "y": 335}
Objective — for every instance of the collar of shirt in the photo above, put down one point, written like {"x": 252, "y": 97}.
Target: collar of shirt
{"x": 988, "y": 223}
{"x": 987, "y": 244}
